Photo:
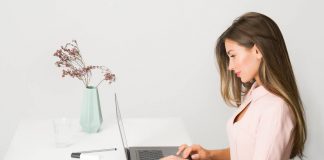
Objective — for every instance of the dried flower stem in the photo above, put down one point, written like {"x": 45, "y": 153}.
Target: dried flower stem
{"x": 73, "y": 65}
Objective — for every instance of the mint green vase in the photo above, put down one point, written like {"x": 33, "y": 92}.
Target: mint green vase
{"x": 91, "y": 117}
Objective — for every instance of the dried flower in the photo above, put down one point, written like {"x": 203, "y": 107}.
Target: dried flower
{"x": 73, "y": 65}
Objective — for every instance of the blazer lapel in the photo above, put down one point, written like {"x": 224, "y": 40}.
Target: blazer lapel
{"x": 241, "y": 108}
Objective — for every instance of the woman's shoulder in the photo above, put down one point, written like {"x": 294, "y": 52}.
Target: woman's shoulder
{"x": 271, "y": 99}
{"x": 272, "y": 105}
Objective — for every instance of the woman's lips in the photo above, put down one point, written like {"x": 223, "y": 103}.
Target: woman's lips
{"x": 238, "y": 74}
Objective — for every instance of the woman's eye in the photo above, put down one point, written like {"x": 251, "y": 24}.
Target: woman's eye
{"x": 232, "y": 56}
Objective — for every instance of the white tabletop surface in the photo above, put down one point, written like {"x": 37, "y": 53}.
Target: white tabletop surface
{"x": 34, "y": 138}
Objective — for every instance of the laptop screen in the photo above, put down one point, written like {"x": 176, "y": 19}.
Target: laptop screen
{"x": 121, "y": 127}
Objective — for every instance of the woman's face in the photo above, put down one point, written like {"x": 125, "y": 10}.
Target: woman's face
{"x": 244, "y": 62}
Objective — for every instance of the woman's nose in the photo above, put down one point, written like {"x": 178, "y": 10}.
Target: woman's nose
{"x": 230, "y": 66}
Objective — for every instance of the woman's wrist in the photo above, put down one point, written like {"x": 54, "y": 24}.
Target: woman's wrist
{"x": 222, "y": 154}
{"x": 210, "y": 154}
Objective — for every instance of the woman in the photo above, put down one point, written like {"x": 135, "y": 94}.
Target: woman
{"x": 257, "y": 77}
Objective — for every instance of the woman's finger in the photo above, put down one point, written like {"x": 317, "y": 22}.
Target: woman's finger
{"x": 195, "y": 156}
{"x": 186, "y": 152}
{"x": 172, "y": 157}
{"x": 192, "y": 150}
{"x": 196, "y": 147}
{"x": 181, "y": 148}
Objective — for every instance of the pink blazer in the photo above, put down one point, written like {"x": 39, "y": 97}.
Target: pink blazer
{"x": 265, "y": 130}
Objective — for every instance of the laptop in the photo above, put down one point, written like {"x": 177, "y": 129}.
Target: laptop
{"x": 142, "y": 153}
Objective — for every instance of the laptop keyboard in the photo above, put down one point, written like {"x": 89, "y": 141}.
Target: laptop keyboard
{"x": 150, "y": 154}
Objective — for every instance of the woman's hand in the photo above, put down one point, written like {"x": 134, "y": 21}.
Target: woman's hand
{"x": 172, "y": 158}
{"x": 195, "y": 151}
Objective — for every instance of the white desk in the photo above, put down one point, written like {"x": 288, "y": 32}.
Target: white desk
{"x": 34, "y": 139}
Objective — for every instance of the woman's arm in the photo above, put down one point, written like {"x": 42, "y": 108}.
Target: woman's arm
{"x": 222, "y": 154}
{"x": 275, "y": 132}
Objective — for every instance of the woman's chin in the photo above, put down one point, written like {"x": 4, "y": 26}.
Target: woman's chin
{"x": 244, "y": 80}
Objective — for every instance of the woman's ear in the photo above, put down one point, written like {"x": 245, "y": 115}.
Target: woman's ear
{"x": 257, "y": 52}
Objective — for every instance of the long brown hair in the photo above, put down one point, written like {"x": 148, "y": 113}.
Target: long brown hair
{"x": 275, "y": 72}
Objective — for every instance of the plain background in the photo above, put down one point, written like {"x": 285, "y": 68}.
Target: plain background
{"x": 162, "y": 53}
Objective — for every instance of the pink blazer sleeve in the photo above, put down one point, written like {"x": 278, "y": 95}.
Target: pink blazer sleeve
{"x": 274, "y": 133}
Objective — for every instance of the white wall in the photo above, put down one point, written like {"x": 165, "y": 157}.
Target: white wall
{"x": 161, "y": 52}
